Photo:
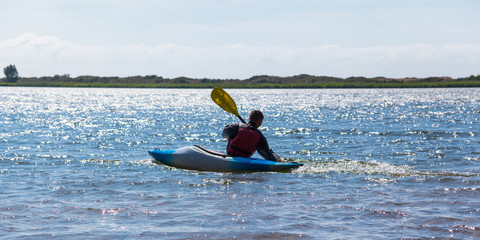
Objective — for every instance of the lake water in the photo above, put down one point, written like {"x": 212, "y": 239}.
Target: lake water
{"x": 379, "y": 164}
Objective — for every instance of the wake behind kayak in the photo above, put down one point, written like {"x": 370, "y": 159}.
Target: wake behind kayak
{"x": 198, "y": 158}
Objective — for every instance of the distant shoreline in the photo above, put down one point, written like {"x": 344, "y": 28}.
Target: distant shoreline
{"x": 264, "y": 81}
{"x": 264, "y": 86}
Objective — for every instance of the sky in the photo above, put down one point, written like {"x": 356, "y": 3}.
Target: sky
{"x": 238, "y": 39}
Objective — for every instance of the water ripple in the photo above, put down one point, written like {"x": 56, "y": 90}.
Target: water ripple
{"x": 379, "y": 163}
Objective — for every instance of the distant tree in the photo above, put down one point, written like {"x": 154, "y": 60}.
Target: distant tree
{"x": 11, "y": 73}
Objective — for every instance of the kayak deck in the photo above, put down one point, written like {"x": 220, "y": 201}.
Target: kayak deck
{"x": 199, "y": 158}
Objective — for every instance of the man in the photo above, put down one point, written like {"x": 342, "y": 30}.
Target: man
{"x": 245, "y": 139}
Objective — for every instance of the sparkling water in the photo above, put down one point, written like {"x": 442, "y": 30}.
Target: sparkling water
{"x": 379, "y": 164}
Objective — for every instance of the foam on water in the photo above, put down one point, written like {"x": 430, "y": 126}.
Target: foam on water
{"x": 372, "y": 168}
{"x": 358, "y": 167}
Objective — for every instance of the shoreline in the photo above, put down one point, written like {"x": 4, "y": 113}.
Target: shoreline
{"x": 445, "y": 84}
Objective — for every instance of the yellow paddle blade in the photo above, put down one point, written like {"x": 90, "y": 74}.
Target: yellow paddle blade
{"x": 223, "y": 100}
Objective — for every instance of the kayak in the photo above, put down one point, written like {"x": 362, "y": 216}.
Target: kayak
{"x": 199, "y": 158}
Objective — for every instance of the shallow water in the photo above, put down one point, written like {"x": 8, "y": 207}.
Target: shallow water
{"x": 379, "y": 163}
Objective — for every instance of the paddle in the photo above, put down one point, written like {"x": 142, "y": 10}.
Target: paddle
{"x": 223, "y": 100}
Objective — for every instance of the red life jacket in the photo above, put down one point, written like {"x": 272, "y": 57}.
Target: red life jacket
{"x": 245, "y": 143}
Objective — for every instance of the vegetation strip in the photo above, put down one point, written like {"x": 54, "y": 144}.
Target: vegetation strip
{"x": 263, "y": 81}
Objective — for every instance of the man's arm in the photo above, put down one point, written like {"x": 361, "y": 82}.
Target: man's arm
{"x": 230, "y": 131}
{"x": 264, "y": 150}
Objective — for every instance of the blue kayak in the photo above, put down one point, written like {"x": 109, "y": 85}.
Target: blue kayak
{"x": 198, "y": 158}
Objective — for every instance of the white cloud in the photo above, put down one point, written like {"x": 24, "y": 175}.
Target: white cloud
{"x": 36, "y": 55}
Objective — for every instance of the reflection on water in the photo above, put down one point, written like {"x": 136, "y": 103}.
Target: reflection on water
{"x": 379, "y": 163}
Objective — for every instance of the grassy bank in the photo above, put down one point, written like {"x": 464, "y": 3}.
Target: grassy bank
{"x": 447, "y": 84}
{"x": 263, "y": 81}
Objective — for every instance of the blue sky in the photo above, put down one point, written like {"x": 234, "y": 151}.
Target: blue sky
{"x": 240, "y": 39}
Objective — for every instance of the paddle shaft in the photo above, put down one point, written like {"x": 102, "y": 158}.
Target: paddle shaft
{"x": 241, "y": 119}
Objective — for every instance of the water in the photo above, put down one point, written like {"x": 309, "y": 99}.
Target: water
{"x": 381, "y": 163}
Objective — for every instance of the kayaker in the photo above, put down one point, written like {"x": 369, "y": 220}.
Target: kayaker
{"x": 245, "y": 139}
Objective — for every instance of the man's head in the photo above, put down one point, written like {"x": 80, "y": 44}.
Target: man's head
{"x": 256, "y": 117}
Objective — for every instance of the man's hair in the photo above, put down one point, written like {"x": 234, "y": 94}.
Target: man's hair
{"x": 256, "y": 115}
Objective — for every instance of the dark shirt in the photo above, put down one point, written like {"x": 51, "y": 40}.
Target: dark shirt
{"x": 231, "y": 131}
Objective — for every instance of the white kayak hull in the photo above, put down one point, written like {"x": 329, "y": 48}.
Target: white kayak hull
{"x": 198, "y": 158}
